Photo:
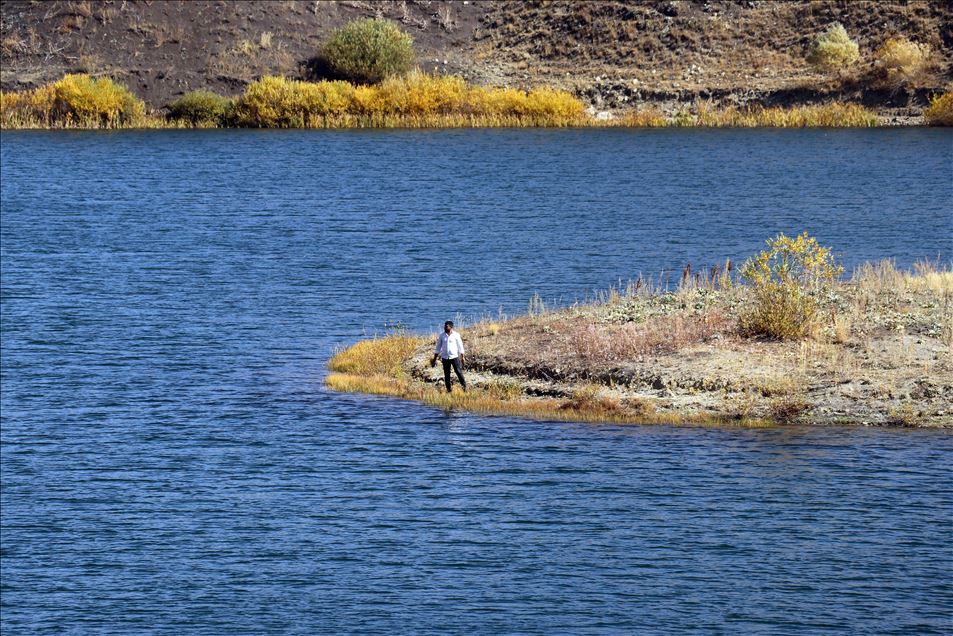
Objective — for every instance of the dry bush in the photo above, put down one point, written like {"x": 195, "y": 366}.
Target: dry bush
{"x": 788, "y": 408}
{"x": 940, "y": 110}
{"x": 202, "y": 108}
{"x": 788, "y": 280}
{"x": 590, "y": 398}
{"x": 833, "y": 49}
{"x": 903, "y": 61}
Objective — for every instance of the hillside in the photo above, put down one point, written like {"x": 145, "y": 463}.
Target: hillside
{"x": 613, "y": 53}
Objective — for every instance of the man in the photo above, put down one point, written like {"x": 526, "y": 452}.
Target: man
{"x": 450, "y": 351}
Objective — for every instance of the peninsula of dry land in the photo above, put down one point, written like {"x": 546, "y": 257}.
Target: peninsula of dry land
{"x": 881, "y": 355}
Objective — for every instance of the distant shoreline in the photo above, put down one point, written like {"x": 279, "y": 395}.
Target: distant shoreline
{"x": 417, "y": 100}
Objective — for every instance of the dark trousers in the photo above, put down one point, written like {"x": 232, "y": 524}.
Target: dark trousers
{"x": 455, "y": 363}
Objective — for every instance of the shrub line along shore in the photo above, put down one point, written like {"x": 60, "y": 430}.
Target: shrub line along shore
{"x": 878, "y": 350}
{"x": 416, "y": 100}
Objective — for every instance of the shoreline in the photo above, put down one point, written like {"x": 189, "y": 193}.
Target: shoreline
{"x": 886, "y": 359}
{"x": 416, "y": 101}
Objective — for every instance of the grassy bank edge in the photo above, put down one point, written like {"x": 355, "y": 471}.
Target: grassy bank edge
{"x": 415, "y": 101}
{"x": 380, "y": 366}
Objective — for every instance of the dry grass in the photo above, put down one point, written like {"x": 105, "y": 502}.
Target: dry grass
{"x": 883, "y": 276}
{"x": 553, "y": 409}
{"x": 593, "y": 342}
{"x": 706, "y": 115}
{"x": 383, "y": 356}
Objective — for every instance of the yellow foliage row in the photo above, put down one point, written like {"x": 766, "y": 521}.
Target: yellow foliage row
{"x": 73, "y": 101}
{"x": 418, "y": 98}
{"x": 415, "y": 101}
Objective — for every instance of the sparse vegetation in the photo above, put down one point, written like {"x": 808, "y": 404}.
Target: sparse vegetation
{"x": 369, "y": 50}
{"x": 833, "y": 49}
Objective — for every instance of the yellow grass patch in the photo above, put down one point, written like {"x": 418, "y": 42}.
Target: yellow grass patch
{"x": 488, "y": 403}
{"x": 376, "y": 357}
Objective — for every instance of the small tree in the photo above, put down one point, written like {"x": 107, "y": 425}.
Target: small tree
{"x": 833, "y": 49}
{"x": 788, "y": 280}
{"x": 369, "y": 50}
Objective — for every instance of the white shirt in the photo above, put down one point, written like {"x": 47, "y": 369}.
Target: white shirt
{"x": 449, "y": 346}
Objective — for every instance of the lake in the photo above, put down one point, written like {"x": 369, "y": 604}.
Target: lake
{"x": 171, "y": 462}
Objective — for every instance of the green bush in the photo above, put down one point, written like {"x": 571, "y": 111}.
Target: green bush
{"x": 833, "y": 49}
{"x": 202, "y": 107}
{"x": 369, "y": 51}
{"x": 788, "y": 280}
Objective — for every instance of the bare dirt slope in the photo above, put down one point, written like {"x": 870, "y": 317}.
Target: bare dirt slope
{"x": 613, "y": 53}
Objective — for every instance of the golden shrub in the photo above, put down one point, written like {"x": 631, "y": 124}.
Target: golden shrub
{"x": 788, "y": 281}
{"x": 417, "y": 99}
{"x": 902, "y": 59}
{"x": 940, "y": 111}
{"x": 74, "y": 100}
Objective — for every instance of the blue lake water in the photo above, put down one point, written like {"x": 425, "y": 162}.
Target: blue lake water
{"x": 171, "y": 463}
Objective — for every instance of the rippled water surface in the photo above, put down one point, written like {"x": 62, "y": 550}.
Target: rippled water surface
{"x": 172, "y": 464}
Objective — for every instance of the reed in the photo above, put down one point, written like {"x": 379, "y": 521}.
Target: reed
{"x": 834, "y": 115}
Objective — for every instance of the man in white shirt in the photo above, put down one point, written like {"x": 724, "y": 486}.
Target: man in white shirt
{"x": 450, "y": 351}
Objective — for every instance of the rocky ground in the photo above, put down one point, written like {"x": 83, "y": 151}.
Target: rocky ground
{"x": 884, "y": 356}
{"x": 613, "y": 53}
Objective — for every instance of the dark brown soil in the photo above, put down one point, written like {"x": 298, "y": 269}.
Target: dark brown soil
{"x": 612, "y": 53}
